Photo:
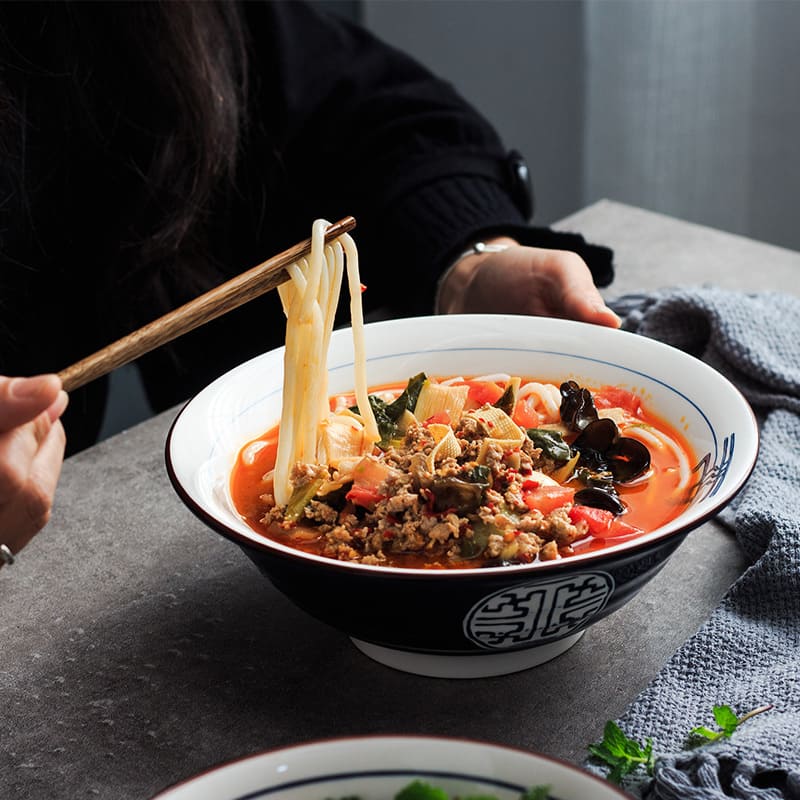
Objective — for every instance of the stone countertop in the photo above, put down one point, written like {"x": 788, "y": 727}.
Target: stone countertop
{"x": 139, "y": 648}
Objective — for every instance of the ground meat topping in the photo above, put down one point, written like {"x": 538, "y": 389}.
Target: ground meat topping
{"x": 468, "y": 510}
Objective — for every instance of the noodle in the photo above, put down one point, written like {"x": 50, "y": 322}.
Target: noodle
{"x": 549, "y": 398}
{"x": 309, "y": 299}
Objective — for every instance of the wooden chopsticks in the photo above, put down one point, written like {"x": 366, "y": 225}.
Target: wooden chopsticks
{"x": 214, "y": 303}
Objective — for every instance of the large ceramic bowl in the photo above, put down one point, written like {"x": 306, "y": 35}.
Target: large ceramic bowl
{"x": 377, "y": 767}
{"x": 469, "y": 623}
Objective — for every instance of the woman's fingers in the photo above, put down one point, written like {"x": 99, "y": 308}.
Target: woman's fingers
{"x": 527, "y": 280}
{"x": 30, "y": 466}
{"x": 23, "y": 399}
{"x": 574, "y": 294}
{"x": 32, "y": 443}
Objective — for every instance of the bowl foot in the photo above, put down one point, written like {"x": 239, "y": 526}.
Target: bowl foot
{"x": 481, "y": 665}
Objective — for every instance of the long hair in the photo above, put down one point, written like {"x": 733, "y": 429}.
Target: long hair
{"x": 155, "y": 91}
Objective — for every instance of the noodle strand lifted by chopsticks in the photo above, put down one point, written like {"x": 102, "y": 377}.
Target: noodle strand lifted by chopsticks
{"x": 309, "y": 302}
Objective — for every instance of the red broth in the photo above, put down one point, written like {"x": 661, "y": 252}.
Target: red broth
{"x": 650, "y": 504}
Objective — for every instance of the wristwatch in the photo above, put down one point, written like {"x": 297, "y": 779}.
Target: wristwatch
{"x": 477, "y": 248}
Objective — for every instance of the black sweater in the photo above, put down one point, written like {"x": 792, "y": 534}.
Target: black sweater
{"x": 340, "y": 124}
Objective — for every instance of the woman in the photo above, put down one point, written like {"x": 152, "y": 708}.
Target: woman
{"x": 150, "y": 151}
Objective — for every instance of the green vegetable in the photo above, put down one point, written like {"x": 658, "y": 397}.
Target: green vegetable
{"x": 622, "y": 754}
{"x": 473, "y": 546}
{"x": 478, "y": 474}
{"x": 551, "y": 443}
{"x": 728, "y": 722}
{"x": 508, "y": 400}
{"x": 463, "y": 494}
{"x": 462, "y": 497}
{"x": 388, "y": 414}
{"x": 419, "y": 790}
{"x": 301, "y": 497}
{"x": 626, "y": 755}
{"x": 537, "y": 793}
{"x": 408, "y": 398}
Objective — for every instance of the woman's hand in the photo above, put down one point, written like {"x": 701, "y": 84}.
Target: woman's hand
{"x": 524, "y": 280}
{"x": 32, "y": 444}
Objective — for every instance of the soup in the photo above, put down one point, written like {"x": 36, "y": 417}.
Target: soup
{"x": 473, "y": 472}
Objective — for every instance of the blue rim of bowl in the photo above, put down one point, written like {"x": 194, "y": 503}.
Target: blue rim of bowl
{"x": 411, "y": 738}
{"x": 595, "y": 557}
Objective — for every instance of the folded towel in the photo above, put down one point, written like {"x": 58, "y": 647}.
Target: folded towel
{"x": 748, "y": 653}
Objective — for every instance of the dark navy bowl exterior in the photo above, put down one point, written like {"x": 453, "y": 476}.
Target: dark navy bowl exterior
{"x": 436, "y": 612}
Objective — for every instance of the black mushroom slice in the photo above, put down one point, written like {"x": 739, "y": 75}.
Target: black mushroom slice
{"x": 599, "y": 435}
{"x": 577, "y": 406}
{"x": 598, "y": 497}
{"x": 627, "y": 459}
{"x": 606, "y": 458}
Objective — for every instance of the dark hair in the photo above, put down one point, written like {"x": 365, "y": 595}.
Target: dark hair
{"x": 156, "y": 89}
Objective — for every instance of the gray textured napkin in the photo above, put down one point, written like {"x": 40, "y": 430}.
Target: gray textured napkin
{"x": 748, "y": 653}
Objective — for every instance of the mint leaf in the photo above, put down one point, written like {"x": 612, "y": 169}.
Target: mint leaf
{"x": 728, "y": 722}
{"x": 726, "y": 719}
{"x": 622, "y": 754}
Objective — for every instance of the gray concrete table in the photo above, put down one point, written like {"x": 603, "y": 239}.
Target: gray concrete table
{"x": 138, "y": 648}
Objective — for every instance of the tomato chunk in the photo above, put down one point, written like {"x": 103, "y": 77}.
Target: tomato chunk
{"x": 547, "y": 498}
{"x": 363, "y": 496}
{"x": 439, "y": 418}
{"x": 603, "y": 524}
{"x": 482, "y": 392}
{"x": 525, "y": 413}
{"x": 615, "y": 397}
{"x": 598, "y": 520}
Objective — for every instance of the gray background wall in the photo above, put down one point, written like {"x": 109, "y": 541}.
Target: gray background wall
{"x": 686, "y": 107}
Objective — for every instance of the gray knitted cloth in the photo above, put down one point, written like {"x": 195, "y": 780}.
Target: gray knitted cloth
{"x": 748, "y": 653}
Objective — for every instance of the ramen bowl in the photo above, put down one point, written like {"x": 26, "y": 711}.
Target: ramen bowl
{"x": 492, "y": 620}
{"x": 378, "y": 767}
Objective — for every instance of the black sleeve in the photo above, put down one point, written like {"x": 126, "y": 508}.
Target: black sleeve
{"x": 360, "y": 128}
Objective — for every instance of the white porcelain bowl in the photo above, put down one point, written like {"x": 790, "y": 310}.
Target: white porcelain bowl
{"x": 377, "y": 767}
{"x": 470, "y": 623}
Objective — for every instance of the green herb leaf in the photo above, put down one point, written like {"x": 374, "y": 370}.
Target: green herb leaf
{"x": 726, "y": 719}
{"x": 622, "y": 754}
{"x": 508, "y": 400}
{"x": 536, "y": 793}
{"x": 408, "y": 398}
{"x": 388, "y": 414}
{"x": 419, "y": 790}
{"x": 551, "y": 443}
{"x": 728, "y": 722}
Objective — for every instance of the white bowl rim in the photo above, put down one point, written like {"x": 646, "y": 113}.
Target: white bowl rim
{"x": 627, "y": 548}
{"x": 430, "y": 740}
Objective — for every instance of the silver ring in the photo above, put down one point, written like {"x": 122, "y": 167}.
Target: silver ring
{"x": 6, "y": 554}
